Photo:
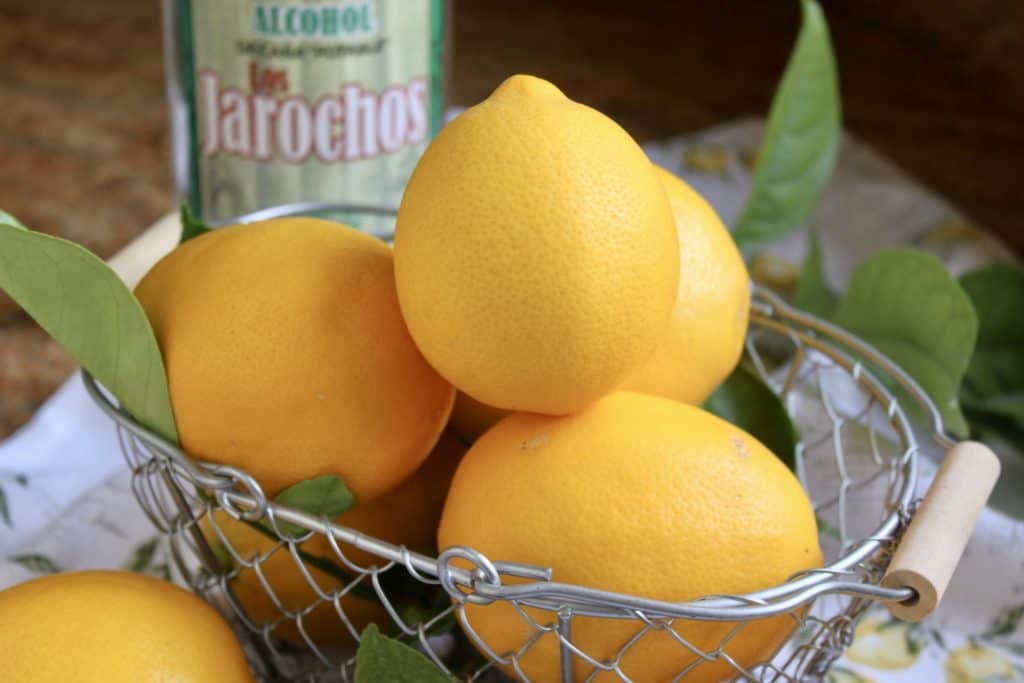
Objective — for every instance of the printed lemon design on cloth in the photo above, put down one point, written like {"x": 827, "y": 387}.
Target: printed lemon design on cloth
{"x": 114, "y": 627}
{"x": 287, "y": 356}
{"x": 775, "y": 272}
{"x": 884, "y": 644}
{"x": 707, "y": 159}
{"x": 977, "y": 664}
{"x": 536, "y": 256}
{"x": 635, "y": 494}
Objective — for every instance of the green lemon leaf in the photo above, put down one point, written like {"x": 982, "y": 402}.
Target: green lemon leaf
{"x": 37, "y": 564}
{"x": 812, "y": 293}
{"x": 323, "y": 496}
{"x": 5, "y": 510}
{"x": 747, "y": 402}
{"x": 905, "y": 304}
{"x": 190, "y": 225}
{"x": 1006, "y": 622}
{"x": 1007, "y": 405}
{"x": 85, "y": 306}
{"x": 801, "y": 142}
{"x": 380, "y": 659}
{"x": 995, "y": 376}
{"x": 142, "y": 557}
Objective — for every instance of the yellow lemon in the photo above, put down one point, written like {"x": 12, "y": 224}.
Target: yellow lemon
{"x": 287, "y": 355}
{"x": 668, "y": 502}
{"x": 704, "y": 339}
{"x": 406, "y": 516}
{"x": 535, "y": 254}
{"x": 114, "y": 627}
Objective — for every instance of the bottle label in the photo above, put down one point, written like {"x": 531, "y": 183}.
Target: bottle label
{"x": 299, "y": 100}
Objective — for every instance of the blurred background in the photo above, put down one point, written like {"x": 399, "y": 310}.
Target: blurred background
{"x": 936, "y": 87}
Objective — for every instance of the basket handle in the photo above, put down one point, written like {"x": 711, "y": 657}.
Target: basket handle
{"x": 939, "y": 531}
{"x": 135, "y": 259}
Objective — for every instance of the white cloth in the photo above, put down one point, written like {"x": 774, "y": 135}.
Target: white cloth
{"x": 68, "y": 449}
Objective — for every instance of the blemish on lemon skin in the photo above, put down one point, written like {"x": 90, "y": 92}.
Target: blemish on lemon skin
{"x": 534, "y": 442}
{"x": 740, "y": 447}
{"x": 320, "y": 396}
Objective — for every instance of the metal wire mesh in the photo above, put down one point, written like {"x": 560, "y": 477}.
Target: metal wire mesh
{"x": 299, "y": 590}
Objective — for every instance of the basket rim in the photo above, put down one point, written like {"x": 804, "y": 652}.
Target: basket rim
{"x": 484, "y": 583}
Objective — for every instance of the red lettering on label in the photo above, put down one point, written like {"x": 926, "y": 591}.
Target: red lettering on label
{"x": 267, "y": 124}
{"x": 267, "y": 81}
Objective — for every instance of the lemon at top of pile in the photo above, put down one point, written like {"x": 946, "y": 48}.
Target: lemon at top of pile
{"x": 536, "y": 256}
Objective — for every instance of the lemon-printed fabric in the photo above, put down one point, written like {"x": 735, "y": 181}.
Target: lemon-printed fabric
{"x": 888, "y": 649}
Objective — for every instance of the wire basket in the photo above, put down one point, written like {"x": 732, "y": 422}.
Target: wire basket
{"x": 857, "y": 459}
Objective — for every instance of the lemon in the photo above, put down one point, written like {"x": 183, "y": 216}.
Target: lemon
{"x": 704, "y": 339}
{"x": 114, "y": 627}
{"x": 407, "y": 516}
{"x": 536, "y": 257}
{"x": 640, "y": 495}
{"x": 287, "y": 356}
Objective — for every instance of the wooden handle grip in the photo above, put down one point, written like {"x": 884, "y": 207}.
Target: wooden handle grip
{"x": 939, "y": 531}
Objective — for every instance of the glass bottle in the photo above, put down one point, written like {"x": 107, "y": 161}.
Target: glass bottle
{"x": 302, "y": 101}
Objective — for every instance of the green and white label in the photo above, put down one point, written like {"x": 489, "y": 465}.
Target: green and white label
{"x": 307, "y": 101}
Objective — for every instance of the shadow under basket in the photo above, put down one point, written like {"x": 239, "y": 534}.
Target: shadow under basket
{"x": 298, "y": 589}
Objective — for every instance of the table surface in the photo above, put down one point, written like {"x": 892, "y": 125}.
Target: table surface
{"x": 937, "y": 87}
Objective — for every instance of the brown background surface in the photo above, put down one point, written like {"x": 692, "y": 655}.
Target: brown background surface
{"x": 938, "y": 87}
